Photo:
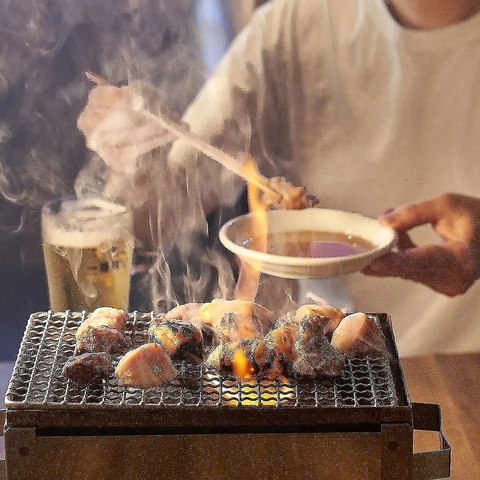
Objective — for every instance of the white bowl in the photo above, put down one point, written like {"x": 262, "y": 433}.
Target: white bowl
{"x": 234, "y": 233}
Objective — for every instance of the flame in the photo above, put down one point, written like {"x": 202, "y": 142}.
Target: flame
{"x": 249, "y": 277}
{"x": 241, "y": 365}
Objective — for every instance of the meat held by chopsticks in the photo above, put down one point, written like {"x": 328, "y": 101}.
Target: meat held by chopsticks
{"x": 316, "y": 358}
{"x": 283, "y": 194}
{"x": 88, "y": 367}
{"x": 146, "y": 366}
{"x": 357, "y": 334}
{"x": 180, "y": 340}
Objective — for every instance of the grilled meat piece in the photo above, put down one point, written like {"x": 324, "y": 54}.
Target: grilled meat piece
{"x": 253, "y": 315}
{"x": 188, "y": 313}
{"x": 88, "y": 367}
{"x": 179, "y": 339}
{"x": 334, "y": 314}
{"x": 281, "y": 341}
{"x": 244, "y": 358}
{"x": 146, "y": 366}
{"x": 106, "y": 316}
{"x": 101, "y": 338}
{"x": 357, "y": 334}
{"x": 316, "y": 357}
{"x": 239, "y": 327}
{"x": 287, "y": 196}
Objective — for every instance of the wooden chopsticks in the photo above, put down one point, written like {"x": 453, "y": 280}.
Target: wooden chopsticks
{"x": 252, "y": 176}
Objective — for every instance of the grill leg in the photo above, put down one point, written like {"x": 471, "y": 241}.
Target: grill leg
{"x": 397, "y": 451}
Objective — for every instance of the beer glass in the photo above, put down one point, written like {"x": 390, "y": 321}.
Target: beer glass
{"x": 88, "y": 247}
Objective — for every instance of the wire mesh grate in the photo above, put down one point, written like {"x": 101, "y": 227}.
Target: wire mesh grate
{"x": 49, "y": 340}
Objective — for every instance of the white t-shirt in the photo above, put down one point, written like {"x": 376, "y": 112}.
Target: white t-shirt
{"x": 366, "y": 114}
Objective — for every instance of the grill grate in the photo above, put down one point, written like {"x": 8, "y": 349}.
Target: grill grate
{"x": 49, "y": 340}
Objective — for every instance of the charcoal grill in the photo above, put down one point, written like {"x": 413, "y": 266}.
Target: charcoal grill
{"x": 202, "y": 426}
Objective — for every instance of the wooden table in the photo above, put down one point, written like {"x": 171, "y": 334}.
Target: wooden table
{"x": 453, "y": 381}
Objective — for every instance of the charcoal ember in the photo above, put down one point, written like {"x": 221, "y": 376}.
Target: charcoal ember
{"x": 101, "y": 338}
{"x": 88, "y": 367}
{"x": 244, "y": 358}
{"x": 358, "y": 334}
{"x": 180, "y": 340}
{"x": 316, "y": 358}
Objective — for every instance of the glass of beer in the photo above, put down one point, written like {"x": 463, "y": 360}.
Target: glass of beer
{"x": 88, "y": 247}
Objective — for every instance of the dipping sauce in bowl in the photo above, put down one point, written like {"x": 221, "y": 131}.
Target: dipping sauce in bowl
{"x": 309, "y": 243}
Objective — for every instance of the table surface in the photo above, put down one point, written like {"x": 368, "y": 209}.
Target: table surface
{"x": 452, "y": 381}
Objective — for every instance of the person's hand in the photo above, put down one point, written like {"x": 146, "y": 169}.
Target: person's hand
{"x": 117, "y": 126}
{"x": 449, "y": 267}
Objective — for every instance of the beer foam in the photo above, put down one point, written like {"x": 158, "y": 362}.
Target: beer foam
{"x": 86, "y": 223}
{"x": 91, "y": 208}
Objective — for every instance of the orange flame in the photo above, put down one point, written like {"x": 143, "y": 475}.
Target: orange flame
{"x": 249, "y": 277}
{"x": 241, "y": 366}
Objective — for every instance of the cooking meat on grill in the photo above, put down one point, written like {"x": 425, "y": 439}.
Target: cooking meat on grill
{"x": 146, "y": 366}
{"x": 316, "y": 358}
{"x": 188, "y": 312}
{"x": 281, "y": 342}
{"x": 102, "y": 331}
{"x": 334, "y": 314}
{"x": 234, "y": 326}
{"x": 106, "y": 316}
{"x": 88, "y": 367}
{"x": 179, "y": 339}
{"x": 101, "y": 338}
{"x": 358, "y": 333}
{"x": 244, "y": 358}
{"x": 252, "y": 317}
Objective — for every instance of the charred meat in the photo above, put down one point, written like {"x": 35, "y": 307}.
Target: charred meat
{"x": 334, "y": 315}
{"x": 105, "y": 316}
{"x": 180, "y": 340}
{"x": 281, "y": 342}
{"x": 316, "y": 358}
{"x": 253, "y": 316}
{"x": 101, "y": 338}
{"x": 243, "y": 358}
{"x": 88, "y": 367}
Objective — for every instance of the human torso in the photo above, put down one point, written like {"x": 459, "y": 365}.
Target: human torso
{"x": 394, "y": 120}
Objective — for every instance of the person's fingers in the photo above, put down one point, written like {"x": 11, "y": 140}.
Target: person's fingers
{"x": 414, "y": 215}
{"x": 440, "y": 267}
{"x": 404, "y": 241}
